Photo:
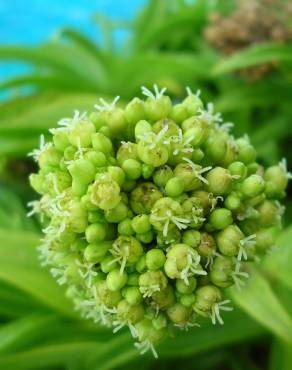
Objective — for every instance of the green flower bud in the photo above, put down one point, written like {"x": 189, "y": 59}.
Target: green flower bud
{"x": 105, "y": 193}
{"x": 117, "y": 174}
{"x": 220, "y": 218}
{"x": 116, "y": 280}
{"x": 117, "y": 214}
{"x": 246, "y": 152}
{"x": 222, "y": 272}
{"x": 101, "y": 143}
{"x": 127, "y": 250}
{"x": 81, "y": 134}
{"x": 162, "y": 175}
{"x": 141, "y": 264}
{"x": 37, "y": 182}
{"x": 253, "y": 186}
{"x": 232, "y": 202}
{"x": 49, "y": 157}
{"x": 148, "y": 334}
{"x": 219, "y": 181}
{"x": 134, "y": 111}
{"x": 269, "y": 213}
{"x": 276, "y": 178}
{"x": 253, "y": 168}
{"x": 187, "y": 300}
{"x": 160, "y": 322}
{"x": 179, "y": 314}
{"x": 69, "y": 153}
{"x": 125, "y": 227}
{"x": 231, "y": 153}
{"x": 264, "y": 240}
{"x": 115, "y": 120}
{"x": 206, "y": 297}
{"x": 95, "y": 232}
{"x": 152, "y": 151}
{"x": 182, "y": 262}
{"x": 163, "y": 299}
{"x": 141, "y": 223}
{"x": 94, "y": 253}
{"x": 60, "y": 140}
{"x": 183, "y": 288}
{"x": 166, "y": 214}
{"x": 77, "y": 218}
{"x": 197, "y": 155}
{"x": 191, "y": 238}
{"x": 98, "y": 159}
{"x": 179, "y": 113}
{"x": 206, "y": 248}
{"x": 193, "y": 211}
{"x": 192, "y": 103}
{"x": 151, "y": 282}
{"x": 144, "y": 197}
{"x": 147, "y": 170}
{"x": 129, "y": 313}
{"x": 109, "y": 298}
{"x": 157, "y": 108}
{"x": 195, "y": 131}
{"x": 190, "y": 174}
{"x": 132, "y": 168}
{"x": 83, "y": 170}
{"x": 155, "y": 259}
{"x": 133, "y": 295}
{"x": 126, "y": 151}
{"x": 215, "y": 147}
{"x": 108, "y": 264}
{"x": 228, "y": 240}
{"x": 174, "y": 187}
{"x": 145, "y": 238}
{"x": 57, "y": 182}
{"x": 238, "y": 170}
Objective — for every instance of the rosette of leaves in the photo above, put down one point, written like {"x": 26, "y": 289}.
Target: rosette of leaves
{"x": 151, "y": 211}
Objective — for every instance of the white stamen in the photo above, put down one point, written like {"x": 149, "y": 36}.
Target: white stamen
{"x": 246, "y": 242}
{"x": 198, "y": 173}
{"x": 145, "y": 346}
{"x": 104, "y": 106}
{"x": 215, "y": 314}
{"x": 36, "y": 153}
{"x": 238, "y": 276}
{"x": 157, "y": 94}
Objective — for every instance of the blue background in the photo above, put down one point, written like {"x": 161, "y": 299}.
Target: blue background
{"x": 33, "y": 21}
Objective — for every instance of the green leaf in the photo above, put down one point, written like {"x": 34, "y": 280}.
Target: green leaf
{"x": 255, "y": 55}
{"x": 20, "y": 267}
{"x": 12, "y": 212}
{"x": 49, "y": 356}
{"x": 279, "y": 263}
{"x": 19, "y": 333}
{"x": 261, "y": 303}
{"x": 237, "y": 327}
{"x": 16, "y": 303}
{"x": 281, "y": 356}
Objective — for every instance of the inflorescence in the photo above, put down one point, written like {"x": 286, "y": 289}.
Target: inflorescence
{"x": 151, "y": 211}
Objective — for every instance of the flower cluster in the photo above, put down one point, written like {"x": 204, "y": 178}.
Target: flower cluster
{"x": 251, "y": 22}
{"x": 151, "y": 211}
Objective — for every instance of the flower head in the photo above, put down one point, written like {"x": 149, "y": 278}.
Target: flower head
{"x": 151, "y": 211}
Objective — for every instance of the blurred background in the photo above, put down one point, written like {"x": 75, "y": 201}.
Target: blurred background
{"x": 58, "y": 56}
